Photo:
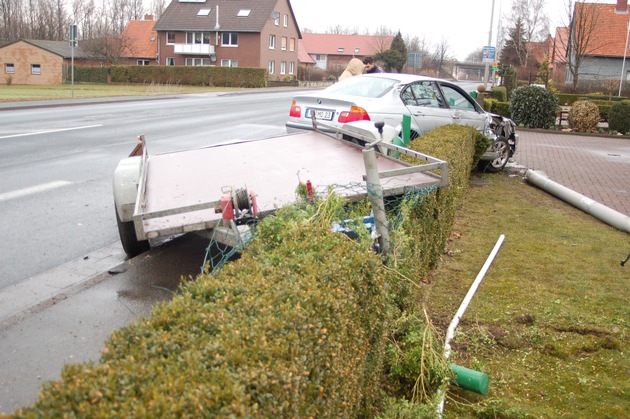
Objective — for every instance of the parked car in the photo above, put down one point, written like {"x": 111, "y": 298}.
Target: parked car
{"x": 386, "y": 97}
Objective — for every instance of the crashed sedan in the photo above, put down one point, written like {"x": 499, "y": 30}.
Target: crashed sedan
{"x": 386, "y": 97}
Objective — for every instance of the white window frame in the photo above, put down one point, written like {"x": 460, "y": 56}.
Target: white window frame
{"x": 271, "y": 67}
{"x": 283, "y": 43}
{"x": 286, "y": 21}
{"x": 272, "y": 41}
{"x": 292, "y": 44}
{"x": 36, "y": 69}
{"x": 198, "y": 62}
{"x": 170, "y": 60}
{"x": 232, "y": 38}
{"x": 276, "y": 20}
{"x": 291, "y": 67}
{"x": 9, "y": 68}
{"x": 193, "y": 37}
{"x": 142, "y": 62}
{"x": 283, "y": 68}
{"x": 227, "y": 62}
{"x": 167, "y": 38}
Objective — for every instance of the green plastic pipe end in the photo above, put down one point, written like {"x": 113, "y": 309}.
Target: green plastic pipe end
{"x": 471, "y": 380}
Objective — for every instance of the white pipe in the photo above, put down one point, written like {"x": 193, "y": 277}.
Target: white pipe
{"x": 600, "y": 211}
{"x": 450, "y": 333}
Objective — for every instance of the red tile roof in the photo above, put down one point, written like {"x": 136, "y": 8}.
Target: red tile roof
{"x": 609, "y": 35}
{"x": 303, "y": 56}
{"x": 333, "y": 44}
{"x": 139, "y": 39}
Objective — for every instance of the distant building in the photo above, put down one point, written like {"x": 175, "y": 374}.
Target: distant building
{"x": 139, "y": 43}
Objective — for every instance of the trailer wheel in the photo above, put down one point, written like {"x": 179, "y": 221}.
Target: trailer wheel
{"x": 131, "y": 244}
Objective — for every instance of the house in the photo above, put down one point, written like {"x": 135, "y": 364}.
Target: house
{"x": 606, "y": 27}
{"x": 332, "y": 52}
{"x": 139, "y": 42}
{"x": 230, "y": 33}
{"x": 29, "y": 61}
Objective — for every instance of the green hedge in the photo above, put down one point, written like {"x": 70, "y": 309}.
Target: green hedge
{"x": 296, "y": 327}
{"x": 570, "y": 98}
{"x": 190, "y": 75}
{"x": 87, "y": 74}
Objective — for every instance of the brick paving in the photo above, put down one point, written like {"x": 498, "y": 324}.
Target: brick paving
{"x": 596, "y": 167}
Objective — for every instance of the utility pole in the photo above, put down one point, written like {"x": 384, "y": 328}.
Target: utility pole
{"x": 486, "y": 75}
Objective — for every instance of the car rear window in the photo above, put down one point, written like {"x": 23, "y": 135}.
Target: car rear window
{"x": 362, "y": 86}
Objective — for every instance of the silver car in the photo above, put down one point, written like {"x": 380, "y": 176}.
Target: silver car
{"x": 386, "y": 97}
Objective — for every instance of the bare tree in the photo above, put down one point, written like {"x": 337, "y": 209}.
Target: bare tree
{"x": 584, "y": 19}
{"x": 157, "y": 7}
{"x": 441, "y": 55}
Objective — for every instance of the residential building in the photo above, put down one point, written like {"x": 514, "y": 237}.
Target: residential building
{"x": 332, "y": 52}
{"x": 605, "y": 26}
{"x": 139, "y": 42}
{"x": 230, "y": 33}
{"x": 29, "y": 61}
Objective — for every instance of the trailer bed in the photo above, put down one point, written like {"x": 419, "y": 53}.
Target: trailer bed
{"x": 271, "y": 168}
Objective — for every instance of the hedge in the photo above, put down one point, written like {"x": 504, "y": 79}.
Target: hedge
{"x": 190, "y": 75}
{"x": 298, "y": 326}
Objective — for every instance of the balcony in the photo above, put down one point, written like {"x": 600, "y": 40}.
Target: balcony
{"x": 194, "y": 49}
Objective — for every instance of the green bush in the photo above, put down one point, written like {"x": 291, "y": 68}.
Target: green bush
{"x": 499, "y": 93}
{"x": 583, "y": 116}
{"x": 190, "y": 75}
{"x": 502, "y": 108}
{"x": 604, "y": 108}
{"x": 619, "y": 117}
{"x": 533, "y": 107}
{"x": 298, "y": 326}
{"x": 87, "y": 74}
{"x": 488, "y": 104}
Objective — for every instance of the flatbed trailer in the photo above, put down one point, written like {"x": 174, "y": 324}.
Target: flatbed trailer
{"x": 172, "y": 193}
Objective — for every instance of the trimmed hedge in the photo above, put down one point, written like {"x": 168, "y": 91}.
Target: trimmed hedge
{"x": 296, "y": 327}
{"x": 190, "y": 75}
{"x": 87, "y": 74}
{"x": 570, "y": 98}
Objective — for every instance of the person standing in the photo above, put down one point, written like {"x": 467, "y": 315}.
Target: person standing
{"x": 354, "y": 68}
{"x": 370, "y": 66}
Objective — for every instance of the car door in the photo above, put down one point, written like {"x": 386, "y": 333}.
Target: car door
{"x": 463, "y": 108}
{"x": 426, "y": 106}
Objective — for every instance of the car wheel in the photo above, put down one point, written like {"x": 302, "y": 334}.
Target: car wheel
{"x": 131, "y": 245}
{"x": 502, "y": 148}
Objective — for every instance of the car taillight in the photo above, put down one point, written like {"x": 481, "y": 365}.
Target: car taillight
{"x": 296, "y": 111}
{"x": 355, "y": 114}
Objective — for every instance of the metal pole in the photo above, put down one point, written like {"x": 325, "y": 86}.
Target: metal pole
{"x": 375, "y": 195}
{"x": 623, "y": 66}
{"x": 486, "y": 74}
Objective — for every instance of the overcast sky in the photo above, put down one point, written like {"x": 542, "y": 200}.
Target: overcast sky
{"x": 464, "y": 23}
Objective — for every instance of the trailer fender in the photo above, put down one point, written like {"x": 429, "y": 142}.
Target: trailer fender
{"x": 126, "y": 178}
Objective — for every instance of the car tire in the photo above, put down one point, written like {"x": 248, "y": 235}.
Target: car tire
{"x": 131, "y": 245}
{"x": 497, "y": 164}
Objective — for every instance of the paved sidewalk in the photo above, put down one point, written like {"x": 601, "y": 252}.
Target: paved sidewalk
{"x": 596, "y": 167}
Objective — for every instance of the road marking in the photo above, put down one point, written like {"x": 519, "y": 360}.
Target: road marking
{"x": 50, "y": 131}
{"x": 33, "y": 190}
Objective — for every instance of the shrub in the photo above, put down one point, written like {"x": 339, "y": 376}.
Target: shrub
{"x": 9, "y": 79}
{"x": 533, "y": 107}
{"x": 499, "y": 93}
{"x": 619, "y": 117}
{"x": 502, "y": 108}
{"x": 488, "y": 104}
{"x": 583, "y": 116}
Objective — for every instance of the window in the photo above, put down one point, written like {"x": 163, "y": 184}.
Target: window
{"x": 243, "y": 13}
{"x": 283, "y": 67}
{"x": 203, "y": 12}
{"x": 283, "y": 43}
{"x": 36, "y": 69}
{"x": 272, "y": 67}
{"x": 9, "y": 68}
{"x": 197, "y": 61}
{"x": 229, "y": 63}
{"x": 170, "y": 60}
{"x": 292, "y": 44}
{"x": 272, "y": 41}
{"x": 276, "y": 18}
{"x": 142, "y": 62}
{"x": 286, "y": 21}
{"x": 229, "y": 39}
{"x": 291, "y": 67}
{"x": 456, "y": 100}
{"x": 170, "y": 38}
{"x": 198, "y": 38}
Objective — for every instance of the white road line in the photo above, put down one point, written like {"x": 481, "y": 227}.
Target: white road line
{"x": 50, "y": 131}
{"x": 33, "y": 190}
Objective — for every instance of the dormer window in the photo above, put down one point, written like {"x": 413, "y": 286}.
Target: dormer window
{"x": 340, "y": 49}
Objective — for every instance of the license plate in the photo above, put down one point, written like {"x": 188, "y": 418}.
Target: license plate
{"x": 319, "y": 114}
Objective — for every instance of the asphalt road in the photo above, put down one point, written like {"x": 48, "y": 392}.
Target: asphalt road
{"x": 56, "y": 165}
